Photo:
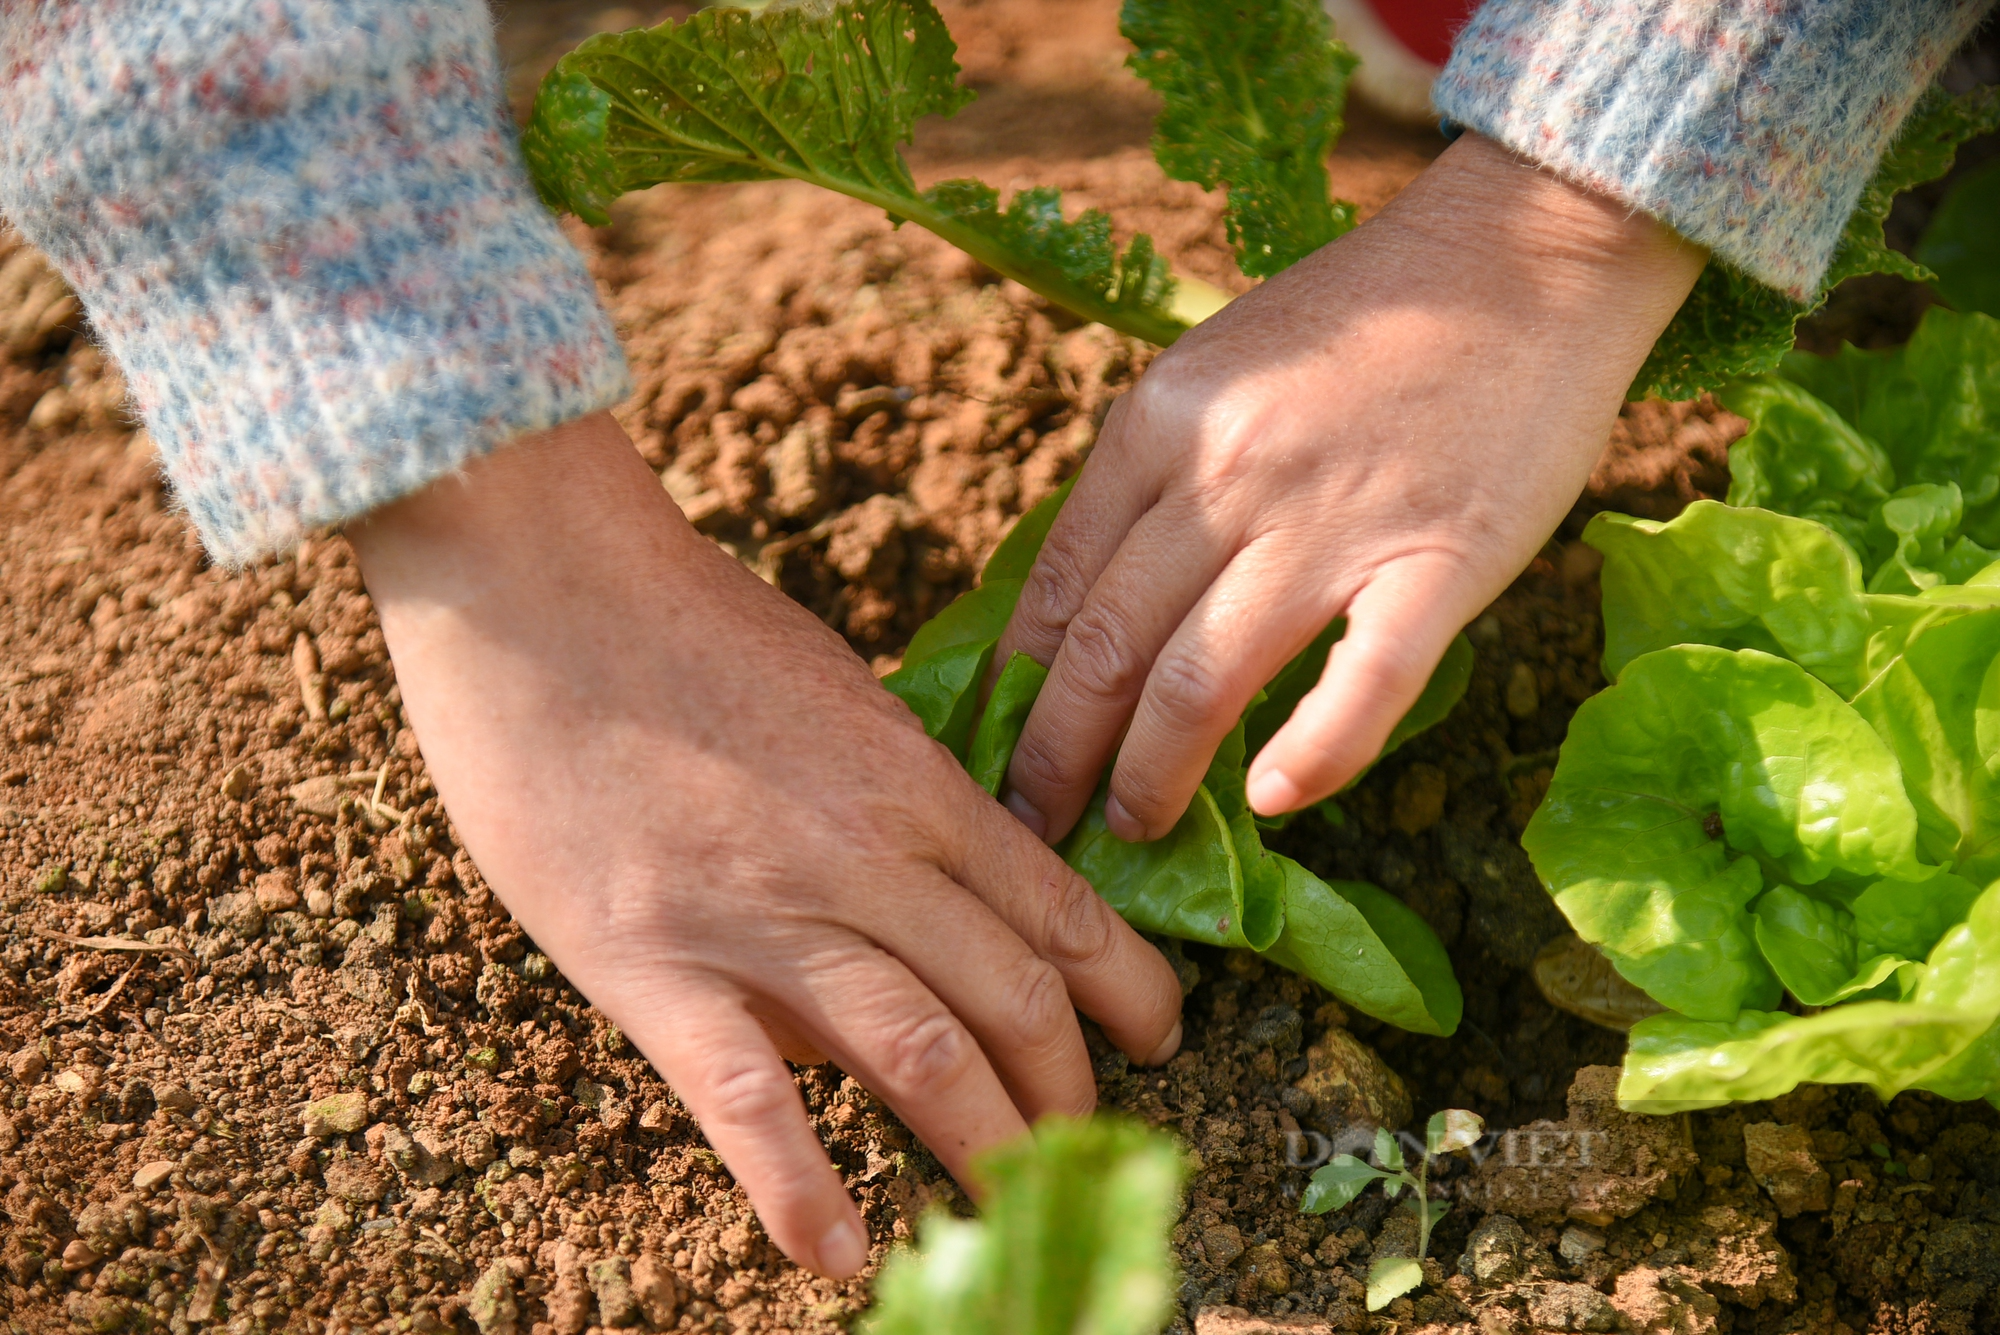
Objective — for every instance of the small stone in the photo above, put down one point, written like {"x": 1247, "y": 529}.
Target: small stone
{"x": 1236, "y": 1321}
{"x": 1499, "y": 1251}
{"x": 275, "y": 892}
{"x": 1780, "y": 1158}
{"x": 1221, "y": 1244}
{"x": 1265, "y": 1273}
{"x": 1350, "y": 1085}
{"x": 173, "y": 1098}
{"x": 1524, "y": 693}
{"x": 1572, "y": 1307}
{"x": 351, "y": 1178}
{"x": 658, "y": 1292}
{"x": 10, "y": 1136}
{"x": 335, "y": 1115}
{"x": 1578, "y": 1242}
{"x": 492, "y": 1306}
{"x": 151, "y": 1176}
{"x": 79, "y": 1256}
{"x": 239, "y": 912}
{"x": 657, "y": 1116}
{"x": 611, "y": 1281}
{"x": 537, "y": 967}
{"x": 319, "y": 796}
{"x": 319, "y": 902}
{"x": 1418, "y": 802}
{"x": 27, "y": 1065}
{"x": 236, "y": 783}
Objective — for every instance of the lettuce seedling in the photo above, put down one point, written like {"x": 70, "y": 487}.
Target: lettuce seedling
{"x": 1073, "y": 1241}
{"x": 1791, "y": 789}
{"x": 1345, "y": 1177}
{"x": 1210, "y": 878}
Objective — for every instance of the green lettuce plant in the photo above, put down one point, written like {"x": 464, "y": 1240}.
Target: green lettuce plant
{"x": 1073, "y": 1241}
{"x": 1210, "y": 879}
{"x": 1783, "y": 819}
{"x": 1344, "y": 1177}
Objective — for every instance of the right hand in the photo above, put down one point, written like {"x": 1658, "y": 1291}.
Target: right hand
{"x": 729, "y": 837}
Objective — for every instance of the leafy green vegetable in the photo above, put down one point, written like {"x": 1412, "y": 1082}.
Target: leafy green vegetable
{"x": 1941, "y": 1037}
{"x": 1073, "y": 1242}
{"x": 1345, "y": 1177}
{"x": 1736, "y": 578}
{"x": 826, "y": 93}
{"x": 1701, "y": 776}
{"x": 1252, "y": 95}
{"x": 1733, "y": 326}
{"x": 1962, "y": 244}
{"x": 1209, "y": 879}
{"x": 1937, "y": 704}
{"x": 1006, "y": 714}
{"x": 1812, "y": 946}
{"x": 1932, "y": 406}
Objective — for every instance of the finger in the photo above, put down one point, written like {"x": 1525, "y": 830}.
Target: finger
{"x": 1157, "y": 575}
{"x": 889, "y": 1031}
{"x": 1108, "y": 970}
{"x": 1011, "y": 1000}
{"x": 1106, "y": 501}
{"x": 1398, "y": 627}
{"x": 1241, "y": 633}
{"x": 722, "y": 1064}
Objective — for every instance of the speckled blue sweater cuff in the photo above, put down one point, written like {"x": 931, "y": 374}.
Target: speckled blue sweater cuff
{"x": 1749, "y": 125}
{"x": 304, "y": 230}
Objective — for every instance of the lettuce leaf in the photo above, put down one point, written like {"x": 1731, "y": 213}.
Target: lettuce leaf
{"x": 1732, "y": 326}
{"x": 1962, "y": 246}
{"x": 1681, "y": 792}
{"x": 1210, "y": 878}
{"x": 1073, "y": 1241}
{"x": 1251, "y": 102}
{"x": 827, "y": 93}
{"x": 1937, "y": 705}
{"x": 1942, "y": 1038}
{"x": 1932, "y": 407}
{"x": 1735, "y": 578}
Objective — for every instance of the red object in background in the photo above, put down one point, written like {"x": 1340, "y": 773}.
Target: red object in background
{"x": 1403, "y": 44}
{"x": 1424, "y": 27}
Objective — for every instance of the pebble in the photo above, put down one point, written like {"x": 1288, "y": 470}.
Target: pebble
{"x": 79, "y": 1256}
{"x": 335, "y": 1115}
{"x": 1524, "y": 693}
{"x": 1577, "y": 1243}
{"x": 151, "y": 1175}
{"x": 27, "y": 1065}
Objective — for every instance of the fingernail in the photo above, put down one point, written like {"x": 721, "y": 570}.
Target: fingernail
{"x": 1029, "y": 815}
{"x": 1166, "y": 1049}
{"x": 1271, "y": 793}
{"x": 1122, "y": 822}
{"x": 843, "y": 1251}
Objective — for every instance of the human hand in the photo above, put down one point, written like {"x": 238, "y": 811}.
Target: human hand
{"x": 1387, "y": 431}
{"x": 730, "y": 837}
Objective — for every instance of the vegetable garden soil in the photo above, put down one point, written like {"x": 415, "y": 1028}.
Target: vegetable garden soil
{"x": 273, "y": 1057}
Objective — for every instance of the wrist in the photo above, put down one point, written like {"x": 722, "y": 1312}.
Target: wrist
{"x": 1493, "y": 209}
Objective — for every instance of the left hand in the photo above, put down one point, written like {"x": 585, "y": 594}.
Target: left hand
{"x": 1387, "y": 431}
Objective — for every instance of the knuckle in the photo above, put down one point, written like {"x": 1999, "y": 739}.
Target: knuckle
{"x": 1076, "y": 926}
{"x": 1057, "y": 584}
{"x": 749, "y": 1096}
{"x": 1095, "y": 654}
{"x": 927, "y": 1050}
{"x": 1037, "y": 769}
{"x": 1185, "y": 692}
{"x": 1038, "y": 1006}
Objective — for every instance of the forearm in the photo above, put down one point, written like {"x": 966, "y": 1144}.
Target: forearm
{"x": 1750, "y": 126}
{"x": 305, "y": 233}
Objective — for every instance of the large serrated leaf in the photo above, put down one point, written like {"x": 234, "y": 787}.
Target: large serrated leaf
{"x": 826, "y": 93}
{"x": 1252, "y": 94}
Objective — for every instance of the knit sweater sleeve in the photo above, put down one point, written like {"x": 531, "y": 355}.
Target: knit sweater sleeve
{"x": 1750, "y": 126}
{"x": 304, "y": 230}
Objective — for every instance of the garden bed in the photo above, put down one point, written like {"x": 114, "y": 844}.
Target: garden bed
{"x": 342, "y": 1090}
